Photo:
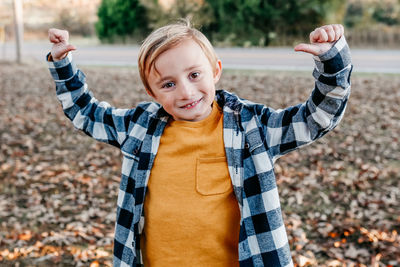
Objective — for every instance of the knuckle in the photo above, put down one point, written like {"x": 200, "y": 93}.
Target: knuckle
{"x": 336, "y": 27}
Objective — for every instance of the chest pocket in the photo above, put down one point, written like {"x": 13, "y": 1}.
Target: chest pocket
{"x": 254, "y": 141}
{"x": 131, "y": 151}
{"x": 212, "y": 176}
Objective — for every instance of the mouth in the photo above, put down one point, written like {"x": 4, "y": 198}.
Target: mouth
{"x": 192, "y": 105}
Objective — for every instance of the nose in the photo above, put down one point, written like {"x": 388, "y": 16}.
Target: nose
{"x": 186, "y": 90}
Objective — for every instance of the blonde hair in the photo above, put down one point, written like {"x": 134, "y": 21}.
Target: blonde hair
{"x": 167, "y": 37}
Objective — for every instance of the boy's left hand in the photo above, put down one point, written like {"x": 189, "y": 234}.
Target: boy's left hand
{"x": 322, "y": 39}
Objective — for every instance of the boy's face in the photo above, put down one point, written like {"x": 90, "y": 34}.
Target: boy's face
{"x": 183, "y": 81}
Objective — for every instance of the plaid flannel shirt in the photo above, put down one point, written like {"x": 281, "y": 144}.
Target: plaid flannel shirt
{"x": 254, "y": 137}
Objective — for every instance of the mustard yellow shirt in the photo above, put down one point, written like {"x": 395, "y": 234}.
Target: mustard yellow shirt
{"x": 192, "y": 215}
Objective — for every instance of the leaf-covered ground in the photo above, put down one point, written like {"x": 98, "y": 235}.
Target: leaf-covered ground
{"x": 58, "y": 188}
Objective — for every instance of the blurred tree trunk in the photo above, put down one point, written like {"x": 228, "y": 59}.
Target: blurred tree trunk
{"x": 19, "y": 28}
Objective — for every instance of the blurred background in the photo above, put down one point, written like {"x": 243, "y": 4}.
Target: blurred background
{"x": 369, "y": 23}
{"x": 247, "y": 34}
{"x": 58, "y": 188}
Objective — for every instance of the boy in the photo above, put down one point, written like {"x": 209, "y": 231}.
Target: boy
{"x": 197, "y": 185}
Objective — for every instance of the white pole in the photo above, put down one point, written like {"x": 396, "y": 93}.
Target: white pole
{"x": 19, "y": 27}
{"x": 3, "y": 40}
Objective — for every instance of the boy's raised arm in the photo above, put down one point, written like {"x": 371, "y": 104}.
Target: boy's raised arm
{"x": 97, "y": 119}
{"x": 299, "y": 125}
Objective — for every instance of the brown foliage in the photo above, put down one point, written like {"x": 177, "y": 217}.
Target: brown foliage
{"x": 58, "y": 188}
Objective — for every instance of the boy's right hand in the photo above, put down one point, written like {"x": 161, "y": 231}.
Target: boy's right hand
{"x": 60, "y": 48}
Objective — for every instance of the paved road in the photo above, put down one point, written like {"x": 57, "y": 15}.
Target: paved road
{"x": 364, "y": 60}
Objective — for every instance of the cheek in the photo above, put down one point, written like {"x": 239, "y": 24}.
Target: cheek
{"x": 210, "y": 88}
{"x": 168, "y": 101}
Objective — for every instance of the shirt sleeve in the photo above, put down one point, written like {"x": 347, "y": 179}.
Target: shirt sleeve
{"x": 292, "y": 127}
{"x": 97, "y": 119}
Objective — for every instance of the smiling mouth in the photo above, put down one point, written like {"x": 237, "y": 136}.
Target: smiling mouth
{"x": 193, "y": 104}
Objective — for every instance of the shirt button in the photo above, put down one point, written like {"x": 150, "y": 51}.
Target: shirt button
{"x": 331, "y": 102}
{"x": 246, "y": 146}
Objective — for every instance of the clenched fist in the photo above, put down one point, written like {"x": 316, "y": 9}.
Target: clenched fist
{"x": 61, "y": 47}
{"x": 322, "y": 39}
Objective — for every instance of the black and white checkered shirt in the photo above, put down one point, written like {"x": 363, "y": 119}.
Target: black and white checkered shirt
{"x": 254, "y": 137}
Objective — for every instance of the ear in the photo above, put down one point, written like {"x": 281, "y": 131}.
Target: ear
{"x": 218, "y": 71}
{"x": 150, "y": 93}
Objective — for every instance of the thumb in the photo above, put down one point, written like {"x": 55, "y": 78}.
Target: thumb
{"x": 70, "y": 48}
{"x": 308, "y": 48}
{"x": 59, "y": 52}
{"x": 62, "y": 51}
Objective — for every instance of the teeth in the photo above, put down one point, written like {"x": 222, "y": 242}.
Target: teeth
{"x": 192, "y": 104}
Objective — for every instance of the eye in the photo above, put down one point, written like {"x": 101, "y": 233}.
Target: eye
{"x": 194, "y": 75}
{"x": 168, "y": 85}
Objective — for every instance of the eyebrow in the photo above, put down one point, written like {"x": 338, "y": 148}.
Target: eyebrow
{"x": 192, "y": 67}
{"x": 163, "y": 79}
